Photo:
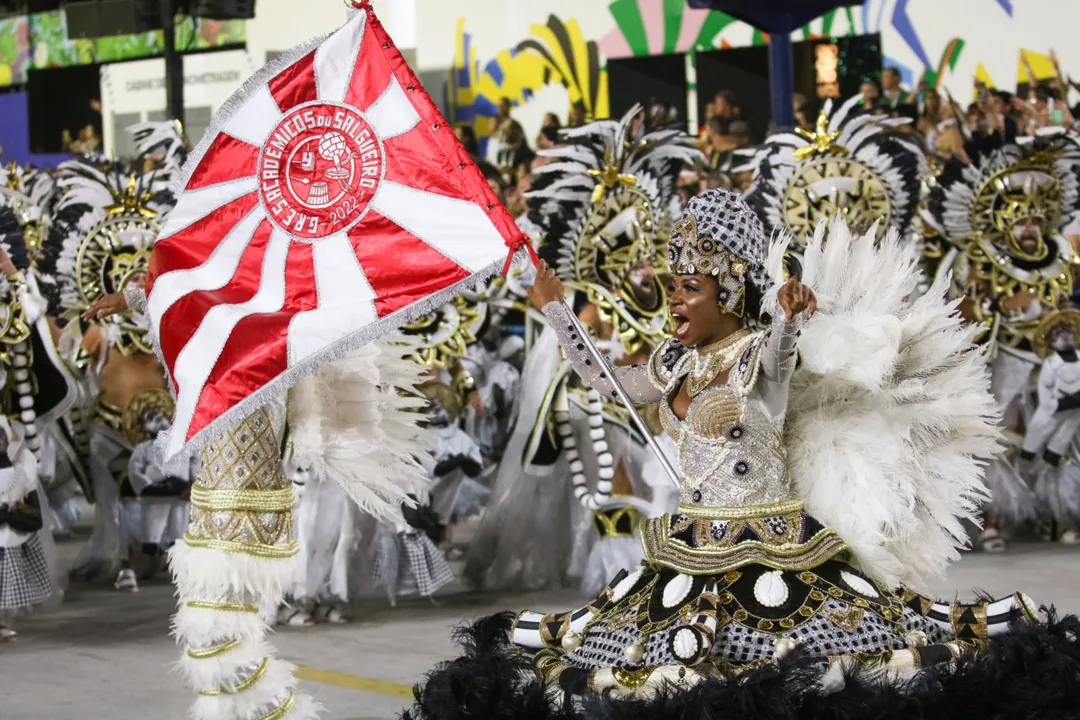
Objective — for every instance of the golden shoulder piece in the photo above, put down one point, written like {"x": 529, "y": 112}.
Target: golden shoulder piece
{"x": 442, "y": 395}
{"x": 131, "y": 419}
{"x": 1066, "y": 319}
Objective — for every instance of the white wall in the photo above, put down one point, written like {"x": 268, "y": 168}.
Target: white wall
{"x": 283, "y": 24}
{"x": 992, "y": 36}
{"x": 496, "y": 24}
{"x": 139, "y": 87}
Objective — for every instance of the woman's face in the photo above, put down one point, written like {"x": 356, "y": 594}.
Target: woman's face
{"x": 933, "y": 104}
{"x": 694, "y": 309}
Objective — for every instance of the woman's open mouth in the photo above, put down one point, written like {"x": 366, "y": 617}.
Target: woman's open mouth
{"x": 682, "y": 326}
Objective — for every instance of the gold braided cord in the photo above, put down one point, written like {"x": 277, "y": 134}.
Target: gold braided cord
{"x": 232, "y": 499}
{"x": 281, "y": 711}
{"x": 214, "y": 650}
{"x": 270, "y": 552}
{"x": 222, "y": 606}
{"x": 240, "y": 687}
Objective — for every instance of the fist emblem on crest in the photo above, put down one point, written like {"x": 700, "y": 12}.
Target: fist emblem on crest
{"x": 319, "y": 170}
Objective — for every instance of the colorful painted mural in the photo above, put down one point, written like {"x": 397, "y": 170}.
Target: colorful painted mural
{"x": 555, "y": 53}
{"x": 41, "y": 41}
{"x": 14, "y": 50}
{"x": 935, "y": 42}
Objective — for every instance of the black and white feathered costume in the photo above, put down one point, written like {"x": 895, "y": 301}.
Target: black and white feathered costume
{"x": 37, "y": 390}
{"x": 854, "y": 165}
{"x": 813, "y": 497}
{"x": 602, "y": 206}
{"x": 1006, "y": 216}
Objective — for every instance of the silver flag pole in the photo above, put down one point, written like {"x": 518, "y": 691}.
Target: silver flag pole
{"x": 620, "y": 393}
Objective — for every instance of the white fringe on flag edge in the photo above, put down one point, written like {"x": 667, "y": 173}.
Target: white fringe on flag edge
{"x": 277, "y": 388}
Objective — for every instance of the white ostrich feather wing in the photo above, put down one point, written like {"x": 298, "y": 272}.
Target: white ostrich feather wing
{"x": 890, "y": 418}
{"x": 355, "y": 422}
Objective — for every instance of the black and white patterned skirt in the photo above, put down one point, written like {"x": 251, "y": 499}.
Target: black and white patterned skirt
{"x": 25, "y": 580}
{"x": 409, "y": 563}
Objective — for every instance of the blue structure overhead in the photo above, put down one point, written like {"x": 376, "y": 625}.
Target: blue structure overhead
{"x": 773, "y": 15}
{"x": 776, "y": 16}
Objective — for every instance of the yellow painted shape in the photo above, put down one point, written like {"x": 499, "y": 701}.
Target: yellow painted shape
{"x": 981, "y": 75}
{"x": 354, "y": 682}
{"x": 1040, "y": 65}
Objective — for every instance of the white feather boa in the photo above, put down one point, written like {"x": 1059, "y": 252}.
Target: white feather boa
{"x": 356, "y": 422}
{"x": 890, "y": 419}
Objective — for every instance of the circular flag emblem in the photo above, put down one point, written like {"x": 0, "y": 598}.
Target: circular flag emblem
{"x": 319, "y": 170}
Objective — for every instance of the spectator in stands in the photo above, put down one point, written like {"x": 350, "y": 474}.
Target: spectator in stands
{"x": 725, "y": 105}
{"x": 467, "y": 135}
{"x": 870, "y": 94}
{"x": 579, "y": 115}
{"x": 892, "y": 95}
{"x": 514, "y": 150}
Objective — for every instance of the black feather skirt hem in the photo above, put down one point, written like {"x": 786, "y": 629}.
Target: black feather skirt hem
{"x": 1031, "y": 672}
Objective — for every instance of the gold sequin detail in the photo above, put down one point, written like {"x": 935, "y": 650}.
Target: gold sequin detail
{"x": 238, "y": 470}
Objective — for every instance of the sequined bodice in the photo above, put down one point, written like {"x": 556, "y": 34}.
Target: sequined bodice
{"x": 730, "y": 447}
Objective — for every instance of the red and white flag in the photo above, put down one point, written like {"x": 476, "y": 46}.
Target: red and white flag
{"x": 328, "y": 203}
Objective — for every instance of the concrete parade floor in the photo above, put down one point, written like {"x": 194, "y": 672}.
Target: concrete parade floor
{"x": 107, "y": 655}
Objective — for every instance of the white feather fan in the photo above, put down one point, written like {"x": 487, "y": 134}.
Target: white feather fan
{"x": 890, "y": 419}
{"x": 355, "y": 422}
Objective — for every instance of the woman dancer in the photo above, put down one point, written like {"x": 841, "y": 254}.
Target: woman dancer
{"x": 743, "y": 573}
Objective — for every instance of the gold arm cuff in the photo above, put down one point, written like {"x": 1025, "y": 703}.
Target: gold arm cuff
{"x": 273, "y": 552}
{"x": 281, "y": 711}
{"x": 222, "y": 606}
{"x": 261, "y": 501}
{"x": 213, "y": 651}
{"x": 246, "y": 684}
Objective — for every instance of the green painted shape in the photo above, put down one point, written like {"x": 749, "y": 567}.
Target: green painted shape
{"x": 673, "y": 17}
{"x": 956, "y": 54}
{"x": 627, "y": 16}
{"x": 827, "y": 23}
{"x": 759, "y": 38}
{"x": 714, "y": 24}
{"x": 850, "y": 21}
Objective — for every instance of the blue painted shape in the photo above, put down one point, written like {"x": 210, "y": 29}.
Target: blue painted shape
{"x": 1007, "y": 6}
{"x": 494, "y": 69}
{"x": 902, "y": 23}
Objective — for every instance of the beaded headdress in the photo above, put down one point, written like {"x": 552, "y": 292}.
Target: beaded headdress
{"x": 1007, "y": 213}
{"x": 852, "y": 165}
{"x": 719, "y": 235}
{"x": 604, "y": 200}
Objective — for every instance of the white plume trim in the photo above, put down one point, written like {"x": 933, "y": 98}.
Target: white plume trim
{"x": 210, "y": 673}
{"x": 274, "y": 689}
{"x": 201, "y": 573}
{"x": 890, "y": 419}
{"x": 356, "y": 421}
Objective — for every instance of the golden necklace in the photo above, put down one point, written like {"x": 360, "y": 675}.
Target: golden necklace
{"x": 710, "y": 361}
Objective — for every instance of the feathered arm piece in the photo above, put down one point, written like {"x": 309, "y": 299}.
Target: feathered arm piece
{"x": 890, "y": 417}
{"x": 356, "y": 422}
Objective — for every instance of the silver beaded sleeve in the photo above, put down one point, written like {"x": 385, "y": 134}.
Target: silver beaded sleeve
{"x": 136, "y": 298}
{"x": 778, "y": 356}
{"x": 778, "y": 359}
{"x": 633, "y": 378}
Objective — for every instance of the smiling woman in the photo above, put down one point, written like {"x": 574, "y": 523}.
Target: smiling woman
{"x": 750, "y": 566}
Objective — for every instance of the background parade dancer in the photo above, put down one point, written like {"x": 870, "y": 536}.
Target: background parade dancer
{"x": 319, "y": 282}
